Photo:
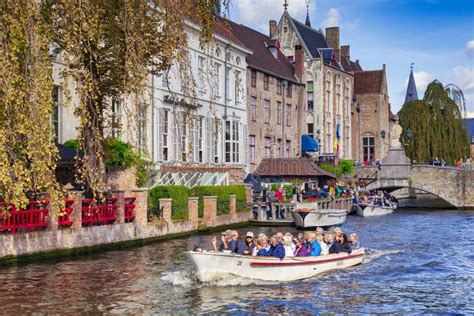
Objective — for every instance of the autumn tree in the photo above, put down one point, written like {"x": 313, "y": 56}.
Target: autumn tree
{"x": 434, "y": 127}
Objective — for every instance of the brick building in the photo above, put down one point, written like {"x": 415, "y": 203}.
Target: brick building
{"x": 329, "y": 86}
{"x": 371, "y": 116}
{"x": 275, "y": 98}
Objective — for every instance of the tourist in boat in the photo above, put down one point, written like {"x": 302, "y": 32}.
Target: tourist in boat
{"x": 249, "y": 244}
{"x": 333, "y": 245}
{"x": 319, "y": 231}
{"x": 307, "y": 243}
{"x": 300, "y": 250}
{"x": 344, "y": 242}
{"x": 276, "y": 250}
{"x": 315, "y": 248}
{"x": 288, "y": 245}
{"x": 264, "y": 237}
{"x": 322, "y": 244}
{"x": 226, "y": 240}
{"x": 260, "y": 244}
{"x": 354, "y": 241}
{"x": 337, "y": 231}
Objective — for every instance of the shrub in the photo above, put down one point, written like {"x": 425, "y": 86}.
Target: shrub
{"x": 72, "y": 143}
{"x": 223, "y": 195}
{"x": 118, "y": 154}
{"x": 179, "y": 194}
{"x": 344, "y": 167}
{"x": 288, "y": 192}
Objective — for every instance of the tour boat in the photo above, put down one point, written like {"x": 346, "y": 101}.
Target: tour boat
{"x": 374, "y": 210}
{"x": 210, "y": 265}
{"x": 310, "y": 215}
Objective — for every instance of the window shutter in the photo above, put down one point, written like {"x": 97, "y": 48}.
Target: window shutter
{"x": 245, "y": 137}
{"x": 159, "y": 138}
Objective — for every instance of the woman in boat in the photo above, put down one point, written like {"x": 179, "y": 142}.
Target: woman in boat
{"x": 354, "y": 241}
{"x": 300, "y": 250}
{"x": 287, "y": 244}
{"x": 260, "y": 244}
{"x": 276, "y": 250}
{"x": 344, "y": 242}
{"x": 322, "y": 244}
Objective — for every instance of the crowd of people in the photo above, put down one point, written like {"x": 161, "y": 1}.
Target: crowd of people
{"x": 376, "y": 197}
{"x": 281, "y": 245}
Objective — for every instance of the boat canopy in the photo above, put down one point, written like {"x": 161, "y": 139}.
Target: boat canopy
{"x": 308, "y": 143}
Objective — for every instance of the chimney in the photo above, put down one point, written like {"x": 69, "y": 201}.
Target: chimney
{"x": 346, "y": 51}
{"x": 272, "y": 26}
{"x": 357, "y": 61}
{"x": 332, "y": 37}
{"x": 299, "y": 62}
{"x": 384, "y": 67}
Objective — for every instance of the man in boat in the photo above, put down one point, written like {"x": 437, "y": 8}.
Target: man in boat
{"x": 333, "y": 245}
{"x": 229, "y": 241}
{"x": 315, "y": 247}
{"x": 249, "y": 244}
{"x": 276, "y": 250}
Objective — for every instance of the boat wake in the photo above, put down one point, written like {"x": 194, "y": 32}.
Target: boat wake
{"x": 191, "y": 279}
{"x": 373, "y": 254}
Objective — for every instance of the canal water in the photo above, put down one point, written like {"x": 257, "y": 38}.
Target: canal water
{"x": 418, "y": 261}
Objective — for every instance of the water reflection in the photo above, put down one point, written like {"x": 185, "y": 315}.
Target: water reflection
{"x": 406, "y": 270}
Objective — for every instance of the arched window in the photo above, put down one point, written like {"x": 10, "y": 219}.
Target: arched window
{"x": 347, "y": 97}
{"x": 338, "y": 97}
{"x": 368, "y": 147}
{"x": 328, "y": 114}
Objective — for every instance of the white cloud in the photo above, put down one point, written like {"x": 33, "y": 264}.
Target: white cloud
{"x": 258, "y": 13}
{"x": 352, "y": 25}
{"x": 470, "y": 47}
{"x": 333, "y": 18}
{"x": 422, "y": 80}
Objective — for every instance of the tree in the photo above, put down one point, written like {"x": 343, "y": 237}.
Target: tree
{"x": 433, "y": 127}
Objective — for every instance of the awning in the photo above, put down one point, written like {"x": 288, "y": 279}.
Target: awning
{"x": 308, "y": 143}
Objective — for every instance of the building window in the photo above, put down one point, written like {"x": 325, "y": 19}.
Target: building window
{"x": 310, "y": 95}
{"x": 253, "y": 108}
{"x": 165, "y": 134}
{"x": 252, "y": 149}
{"x": 164, "y": 79}
{"x": 310, "y": 129}
{"x": 227, "y": 83}
{"x": 200, "y": 138}
{"x": 217, "y": 83}
{"x": 142, "y": 126}
{"x": 116, "y": 117}
{"x": 201, "y": 81}
{"x": 54, "y": 118}
{"x": 279, "y": 113}
{"x": 232, "y": 141}
{"x": 253, "y": 78}
{"x": 289, "y": 90}
{"x": 329, "y": 93}
{"x": 183, "y": 136}
{"x": 280, "y": 148}
{"x": 216, "y": 141}
{"x": 348, "y": 99}
{"x": 266, "y": 82}
{"x": 268, "y": 147}
{"x": 238, "y": 86}
{"x": 290, "y": 58}
{"x": 285, "y": 29}
{"x": 288, "y": 149}
{"x": 338, "y": 96}
{"x": 279, "y": 86}
{"x": 368, "y": 148}
{"x": 266, "y": 111}
{"x": 288, "y": 115}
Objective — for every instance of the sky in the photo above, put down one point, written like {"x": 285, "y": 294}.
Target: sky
{"x": 436, "y": 35}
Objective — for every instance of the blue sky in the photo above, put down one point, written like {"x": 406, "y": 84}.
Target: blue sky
{"x": 436, "y": 35}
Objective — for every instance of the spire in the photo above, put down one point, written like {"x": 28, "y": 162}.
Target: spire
{"x": 285, "y": 5}
{"x": 307, "y": 22}
{"x": 412, "y": 94}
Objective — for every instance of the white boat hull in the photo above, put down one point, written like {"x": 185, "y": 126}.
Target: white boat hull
{"x": 371, "y": 210}
{"x": 211, "y": 264}
{"x": 319, "y": 218}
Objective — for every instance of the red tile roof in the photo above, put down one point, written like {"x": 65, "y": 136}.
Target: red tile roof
{"x": 295, "y": 167}
{"x": 368, "y": 81}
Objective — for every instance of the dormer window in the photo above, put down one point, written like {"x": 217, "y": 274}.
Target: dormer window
{"x": 274, "y": 51}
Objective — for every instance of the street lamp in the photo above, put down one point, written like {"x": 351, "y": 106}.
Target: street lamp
{"x": 382, "y": 133}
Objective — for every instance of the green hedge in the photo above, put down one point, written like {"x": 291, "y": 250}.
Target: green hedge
{"x": 180, "y": 195}
{"x": 344, "y": 167}
{"x": 223, "y": 195}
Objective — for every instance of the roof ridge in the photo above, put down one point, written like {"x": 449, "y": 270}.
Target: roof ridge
{"x": 248, "y": 27}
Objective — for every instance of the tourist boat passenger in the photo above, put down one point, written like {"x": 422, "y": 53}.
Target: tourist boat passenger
{"x": 337, "y": 232}
{"x": 276, "y": 249}
{"x": 226, "y": 240}
{"x": 345, "y": 246}
{"x": 315, "y": 248}
{"x": 249, "y": 244}
{"x": 300, "y": 250}
{"x": 354, "y": 241}
{"x": 287, "y": 245}
{"x": 333, "y": 245}
{"x": 322, "y": 244}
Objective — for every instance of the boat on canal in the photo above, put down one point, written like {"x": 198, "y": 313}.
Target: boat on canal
{"x": 321, "y": 213}
{"x": 212, "y": 264}
{"x": 373, "y": 210}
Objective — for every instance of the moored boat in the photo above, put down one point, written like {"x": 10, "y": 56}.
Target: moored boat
{"x": 374, "y": 210}
{"x": 318, "y": 214}
{"x": 210, "y": 264}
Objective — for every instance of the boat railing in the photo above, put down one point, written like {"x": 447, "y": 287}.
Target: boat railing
{"x": 282, "y": 209}
{"x": 338, "y": 204}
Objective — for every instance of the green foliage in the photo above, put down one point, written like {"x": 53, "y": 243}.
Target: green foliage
{"x": 288, "y": 192}
{"x": 179, "y": 194}
{"x": 223, "y": 195}
{"x": 143, "y": 168}
{"x": 436, "y": 127}
{"x": 274, "y": 187}
{"x": 118, "y": 155}
{"x": 344, "y": 167}
{"x": 72, "y": 143}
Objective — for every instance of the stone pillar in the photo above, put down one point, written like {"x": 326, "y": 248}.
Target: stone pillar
{"x": 141, "y": 207}
{"x": 193, "y": 208}
{"x": 249, "y": 193}
{"x": 76, "y": 214}
{"x": 165, "y": 205}
{"x": 120, "y": 213}
{"x": 233, "y": 206}
{"x": 210, "y": 210}
{"x": 52, "y": 216}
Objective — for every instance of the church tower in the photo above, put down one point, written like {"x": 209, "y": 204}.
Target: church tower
{"x": 412, "y": 94}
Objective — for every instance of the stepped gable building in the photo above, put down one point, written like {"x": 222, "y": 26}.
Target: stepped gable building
{"x": 329, "y": 87}
{"x": 275, "y": 98}
{"x": 371, "y": 116}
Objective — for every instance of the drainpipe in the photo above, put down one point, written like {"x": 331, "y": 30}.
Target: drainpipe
{"x": 153, "y": 117}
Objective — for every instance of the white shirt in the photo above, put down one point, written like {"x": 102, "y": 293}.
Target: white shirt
{"x": 289, "y": 251}
{"x": 324, "y": 249}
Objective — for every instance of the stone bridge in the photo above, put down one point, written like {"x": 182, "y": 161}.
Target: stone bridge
{"x": 455, "y": 186}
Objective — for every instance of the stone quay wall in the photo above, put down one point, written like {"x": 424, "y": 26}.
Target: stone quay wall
{"x": 58, "y": 239}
